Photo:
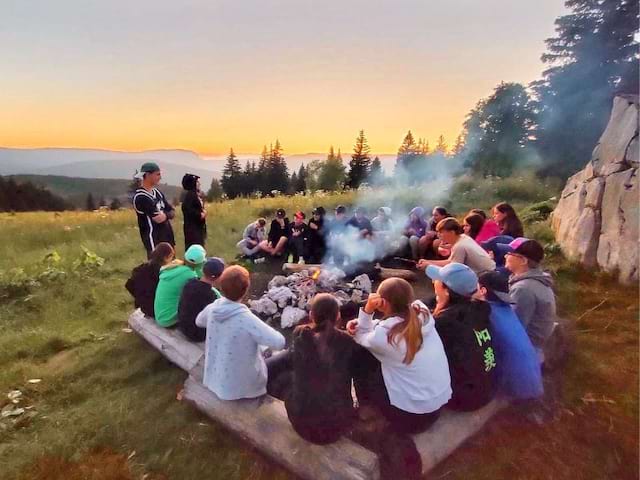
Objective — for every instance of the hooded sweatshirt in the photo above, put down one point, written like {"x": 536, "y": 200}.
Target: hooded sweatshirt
{"x": 173, "y": 278}
{"x": 424, "y": 385}
{"x": 418, "y": 226}
{"x": 234, "y": 367}
{"x": 534, "y": 303}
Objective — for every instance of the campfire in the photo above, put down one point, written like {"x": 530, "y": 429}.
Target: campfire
{"x": 288, "y": 298}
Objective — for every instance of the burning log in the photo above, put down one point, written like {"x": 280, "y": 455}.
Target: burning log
{"x": 385, "y": 273}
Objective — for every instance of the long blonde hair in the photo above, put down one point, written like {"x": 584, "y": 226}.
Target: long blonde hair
{"x": 399, "y": 295}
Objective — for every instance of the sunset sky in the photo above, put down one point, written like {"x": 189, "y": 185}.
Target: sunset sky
{"x": 207, "y": 75}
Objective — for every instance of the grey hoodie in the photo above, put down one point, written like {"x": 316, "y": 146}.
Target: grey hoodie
{"x": 534, "y": 303}
{"x": 234, "y": 367}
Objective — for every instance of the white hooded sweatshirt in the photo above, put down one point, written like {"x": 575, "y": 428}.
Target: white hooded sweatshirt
{"x": 234, "y": 367}
{"x": 424, "y": 385}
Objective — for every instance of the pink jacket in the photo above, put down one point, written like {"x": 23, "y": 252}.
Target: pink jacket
{"x": 489, "y": 230}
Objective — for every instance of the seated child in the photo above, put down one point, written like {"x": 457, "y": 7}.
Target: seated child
{"x": 144, "y": 278}
{"x": 278, "y": 233}
{"x": 414, "y": 230}
{"x": 316, "y": 233}
{"x": 518, "y": 370}
{"x": 298, "y": 237}
{"x": 404, "y": 371}
{"x": 254, "y": 238}
{"x": 489, "y": 228}
{"x": 463, "y": 325}
{"x": 317, "y": 372}
{"x": 361, "y": 222}
{"x": 234, "y": 367}
{"x": 173, "y": 278}
{"x": 197, "y": 294}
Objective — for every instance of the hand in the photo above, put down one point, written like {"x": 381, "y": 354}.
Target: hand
{"x": 491, "y": 254}
{"x": 170, "y": 214}
{"x": 352, "y": 326}
{"x": 203, "y": 214}
{"x": 422, "y": 264}
{"x": 374, "y": 303}
{"x": 160, "y": 217}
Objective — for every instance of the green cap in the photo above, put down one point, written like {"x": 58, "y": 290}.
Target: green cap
{"x": 149, "y": 167}
{"x": 195, "y": 254}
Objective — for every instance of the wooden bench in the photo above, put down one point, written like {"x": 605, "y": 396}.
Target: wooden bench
{"x": 264, "y": 424}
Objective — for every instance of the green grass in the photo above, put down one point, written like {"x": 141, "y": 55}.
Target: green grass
{"x": 103, "y": 388}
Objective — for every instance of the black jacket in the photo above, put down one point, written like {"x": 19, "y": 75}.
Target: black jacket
{"x": 142, "y": 286}
{"x": 195, "y": 227}
{"x": 276, "y": 231}
{"x": 464, "y": 329}
{"x": 195, "y": 296}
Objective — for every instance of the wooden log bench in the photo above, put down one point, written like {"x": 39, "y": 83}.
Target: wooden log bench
{"x": 264, "y": 424}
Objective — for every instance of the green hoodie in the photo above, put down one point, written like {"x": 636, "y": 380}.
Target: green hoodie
{"x": 173, "y": 278}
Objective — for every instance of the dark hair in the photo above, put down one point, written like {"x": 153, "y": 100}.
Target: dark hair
{"x": 189, "y": 181}
{"x": 341, "y": 209}
{"x": 325, "y": 310}
{"x": 442, "y": 211}
{"x": 262, "y": 222}
{"x": 450, "y": 224}
{"x": 162, "y": 251}
{"x": 234, "y": 282}
{"x": 475, "y": 221}
{"x": 478, "y": 211}
{"x": 511, "y": 224}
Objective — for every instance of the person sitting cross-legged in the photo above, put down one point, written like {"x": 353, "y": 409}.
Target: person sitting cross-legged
{"x": 197, "y": 294}
{"x": 254, "y": 238}
{"x": 234, "y": 367}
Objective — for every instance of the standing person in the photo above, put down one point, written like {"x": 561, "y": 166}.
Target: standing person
{"x": 463, "y": 249}
{"x": 254, "y": 239}
{"x": 463, "y": 325}
{"x": 404, "y": 371}
{"x": 193, "y": 212}
{"x": 278, "y": 233}
{"x": 234, "y": 367}
{"x": 316, "y": 233}
{"x": 144, "y": 278}
{"x": 507, "y": 219}
{"x": 197, "y": 294}
{"x": 153, "y": 210}
{"x": 531, "y": 290}
{"x": 314, "y": 376}
{"x": 518, "y": 370}
{"x": 173, "y": 278}
{"x": 298, "y": 237}
{"x": 414, "y": 230}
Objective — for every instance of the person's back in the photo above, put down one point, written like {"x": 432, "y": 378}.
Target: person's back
{"x": 468, "y": 252}
{"x": 234, "y": 367}
{"x": 196, "y": 295}
{"x": 142, "y": 285}
{"x": 534, "y": 303}
{"x": 173, "y": 278}
{"x": 464, "y": 329}
{"x": 319, "y": 404}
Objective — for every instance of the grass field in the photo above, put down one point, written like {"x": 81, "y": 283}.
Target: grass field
{"x": 106, "y": 405}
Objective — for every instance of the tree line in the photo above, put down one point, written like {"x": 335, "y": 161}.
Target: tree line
{"x": 27, "y": 197}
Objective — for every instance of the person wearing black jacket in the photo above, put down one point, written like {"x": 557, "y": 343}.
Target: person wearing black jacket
{"x": 361, "y": 222}
{"x": 317, "y": 245}
{"x": 197, "y": 294}
{"x": 464, "y": 328}
{"x": 278, "y": 233}
{"x": 298, "y": 237}
{"x": 144, "y": 278}
{"x": 193, "y": 211}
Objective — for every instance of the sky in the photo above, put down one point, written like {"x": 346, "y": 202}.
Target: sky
{"x": 209, "y": 75}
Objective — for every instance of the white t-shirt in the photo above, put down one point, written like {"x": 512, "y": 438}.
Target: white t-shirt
{"x": 468, "y": 252}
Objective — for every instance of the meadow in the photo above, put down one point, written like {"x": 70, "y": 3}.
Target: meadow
{"x": 105, "y": 406}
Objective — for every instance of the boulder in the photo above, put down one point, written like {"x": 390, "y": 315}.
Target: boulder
{"x": 596, "y": 220}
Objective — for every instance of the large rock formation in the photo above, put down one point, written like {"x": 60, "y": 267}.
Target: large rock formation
{"x": 596, "y": 220}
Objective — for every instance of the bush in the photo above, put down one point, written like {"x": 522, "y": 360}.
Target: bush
{"x": 538, "y": 211}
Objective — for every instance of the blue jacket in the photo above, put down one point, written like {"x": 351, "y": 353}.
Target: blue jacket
{"x": 518, "y": 368}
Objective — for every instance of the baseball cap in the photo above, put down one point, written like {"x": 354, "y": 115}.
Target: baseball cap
{"x": 456, "y": 276}
{"x": 502, "y": 249}
{"x": 280, "y": 213}
{"x": 341, "y": 209}
{"x": 213, "y": 267}
{"x": 319, "y": 211}
{"x": 496, "y": 283}
{"x": 300, "y": 215}
{"x": 147, "y": 167}
{"x": 195, "y": 254}
{"x": 530, "y": 249}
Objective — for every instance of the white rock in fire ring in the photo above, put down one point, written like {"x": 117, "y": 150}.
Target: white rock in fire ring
{"x": 278, "y": 281}
{"x": 342, "y": 297}
{"x": 363, "y": 282}
{"x": 291, "y": 316}
{"x": 281, "y": 295}
{"x": 265, "y": 306}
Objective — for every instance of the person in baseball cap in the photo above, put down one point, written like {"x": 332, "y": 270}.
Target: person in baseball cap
{"x": 196, "y": 295}
{"x": 463, "y": 325}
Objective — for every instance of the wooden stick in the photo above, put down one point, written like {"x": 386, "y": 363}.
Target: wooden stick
{"x": 385, "y": 273}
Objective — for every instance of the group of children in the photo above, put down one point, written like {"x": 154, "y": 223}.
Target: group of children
{"x": 494, "y": 311}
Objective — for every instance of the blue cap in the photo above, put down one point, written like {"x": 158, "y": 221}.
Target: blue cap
{"x": 456, "y": 276}
{"x": 213, "y": 267}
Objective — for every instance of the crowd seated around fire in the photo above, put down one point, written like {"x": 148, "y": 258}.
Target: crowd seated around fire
{"x": 484, "y": 334}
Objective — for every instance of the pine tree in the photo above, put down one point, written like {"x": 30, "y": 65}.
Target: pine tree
{"x": 411, "y": 159}
{"x": 441, "y": 146}
{"x": 301, "y": 182}
{"x": 292, "y": 184}
{"x": 459, "y": 146}
{"x": 376, "y": 175}
{"x": 592, "y": 57}
{"x": 115, "y": 204}
{"x": 232, "y": 176}
{"x": 91, "y": 204}
{"x": 215, "y": 192}
{"x": 277, "y": 171}
{"x": 360, "y": 163}
{"x": 332, "y": 172}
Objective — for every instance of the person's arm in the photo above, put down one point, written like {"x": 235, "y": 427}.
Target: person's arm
{"x": 524, "y": 303}
{"x": 203, "y": 317}
{"x": 422, "y": 264}
{"x": 143, "y": 204}
{"x": 372, "y": 338}
{"x": 263, "y": 334}
{"x": 169, "y": 211}
{"x": 191, "y": 207}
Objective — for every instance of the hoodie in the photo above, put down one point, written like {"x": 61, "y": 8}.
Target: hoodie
{"x": 234, "y": 367}
{"x": 535, "y": 303}
{"x": 173, "y": 278}
{"x": 424, "y": 385}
